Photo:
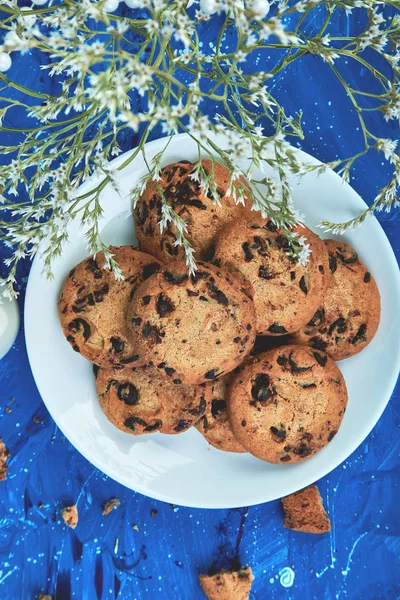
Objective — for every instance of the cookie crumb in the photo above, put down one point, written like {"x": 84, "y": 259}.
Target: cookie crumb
{"x": 135, "y": 527}
{"x": 70, "y": 516}
{"x": 110, "y": 505}
{"x": 12, "y": 399}
{"x": 4, "y": 454}
{"x": 8, "y": 410}
{"x": 305, "y": 512}
{"x": 40, "y": 505}
{"x": 228, "y": 585}
{"x": 45, "y": 597}
{"x": 153, "y": 512}
{"x": 37, "y": 419}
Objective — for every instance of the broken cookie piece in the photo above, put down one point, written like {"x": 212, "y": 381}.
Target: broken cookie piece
{"x": 4, "y": 454}
{"x": 70, "y": 516}
{"x": 110, "y": 505}
{"x": 228, "y": 585}
{"x": 305, "y": 512}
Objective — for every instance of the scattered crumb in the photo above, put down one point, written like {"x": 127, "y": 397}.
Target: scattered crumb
{"x": 153, "y": 512}
{"x": 70, "y": 516}
{"x": 4, "y": 454}
{"x": 37, "y": 419}
{"x": 228, "y": 585}
{"x": 305, "y": 512}
{"x": 40, "y": 505}
{"x": 110, "y": 505}
{"x": 12, "y": 399}
{"x": 135, "y": 527}
{"x": 8, "y": 409}
{"x": 116, "y": 545}
{"x": 45, "y": 597}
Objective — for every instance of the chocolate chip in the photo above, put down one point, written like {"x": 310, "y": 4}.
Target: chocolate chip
{"x": 243, "y": 423}
{"x": 197, "y": 412}
{"x": 150, "y": 269}
{"x": 303, "y": 450}
{"x": 154, "y": 426}
{"x": 94, "y": 268}
{"x": 261, "y": 390}
{"x": 317, "y": 319}
{"x": 146, "y": 300}
{"x": 360, "y": 335}
{"x": 275, "y": 328}
{"x": 137, "y": 321}
{"x": 169, "y": 371}
{"x": 341, "y": 252}
{"x": 340, "y": 324}
{"x": 212, "y": 374}
{"x": 77, "y": 324}
{"x": 128, "y": 393}
{"x": 285, "y": 458}
{"x": 195, "y": 277}
{"x": 203, "y": 298}
{"x": 295, "y": 367}
{"x": 218, "y": 407}
{"x": 248, "y": 255}
{"x": 332, "y": 263}
{"x": 321, "y": 360}
{"x": 303, "y": 285}
{"x": 271, "y": 226}
{"x": 217, "y": 295}
{"x": 332, "y": 435}
{"x": 117, "y": 344}
{"x": 175, "y": 277}
{"x": 96, "y": 370}
{"x": 321, "y": 268}
{"x": 182, "y": 425}
{"x": 129, "y": 359}
{"x": 71, "y": 273}
{"x": 177, "y": 381}
{"x": 147, "y": 329}
{"x": 164, "y": 305}
{"x": 279, "y": 432}
{"x": 209, "y": 254}
{"x": 308, "y": 385}
{"x": 282, "y": 360}
{"x": 131, "y": 423}
{"x": 192, "y": 293}
{"x": 264, "y": 273}
{"x": 367, "y": 277}
{"x": 318, "y": 343}
{"x": 142, "y": 212}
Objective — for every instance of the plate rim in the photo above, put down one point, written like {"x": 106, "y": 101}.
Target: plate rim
{"x": 355, "y": 442}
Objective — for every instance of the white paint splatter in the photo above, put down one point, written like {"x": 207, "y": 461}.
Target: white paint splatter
{"x": 347, "y": 569}
{"x": 286, "y": 577}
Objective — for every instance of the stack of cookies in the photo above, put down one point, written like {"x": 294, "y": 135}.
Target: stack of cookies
{"x": 244, "y": 348}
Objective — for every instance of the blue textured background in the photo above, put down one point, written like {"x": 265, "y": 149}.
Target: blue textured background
{"x": 172, "y": 545}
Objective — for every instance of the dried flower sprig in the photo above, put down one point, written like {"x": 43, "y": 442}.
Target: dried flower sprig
{"x": 145, "y": 70}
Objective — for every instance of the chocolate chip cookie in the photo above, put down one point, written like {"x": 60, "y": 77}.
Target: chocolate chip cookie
{"x": 286, "y": 404}
{"x": 286, "y": 293}
{"x": 348, "y": 318}
{"x": 139, "y": 400}
{"x": 92, "y": 305}
{"x": 203, "y": 216}
{"x": 195, "y": 328}
{"x": 214, "y": 424}
{"x": 305, "y": 512}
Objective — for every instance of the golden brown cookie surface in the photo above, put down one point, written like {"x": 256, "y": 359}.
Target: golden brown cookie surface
{"x": 286, "y": 293}
{"x": 203, "y": 216}
{"x": 92, "y": 306}
{"x": 305, "y": 512}
{"x": 140, "y": 400}
{"x": 228, "y": 585}
{"x": 286, "y": 404}
{"x": 214, "y": 424}
{"x": 195, "y": 328}
{"x": 349, "y": 316}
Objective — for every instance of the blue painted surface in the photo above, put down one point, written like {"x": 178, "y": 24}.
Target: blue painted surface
{"x": 162, "y": 558}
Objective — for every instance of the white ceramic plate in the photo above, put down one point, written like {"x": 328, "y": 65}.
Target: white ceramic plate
{"x": 184, "y": 469}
